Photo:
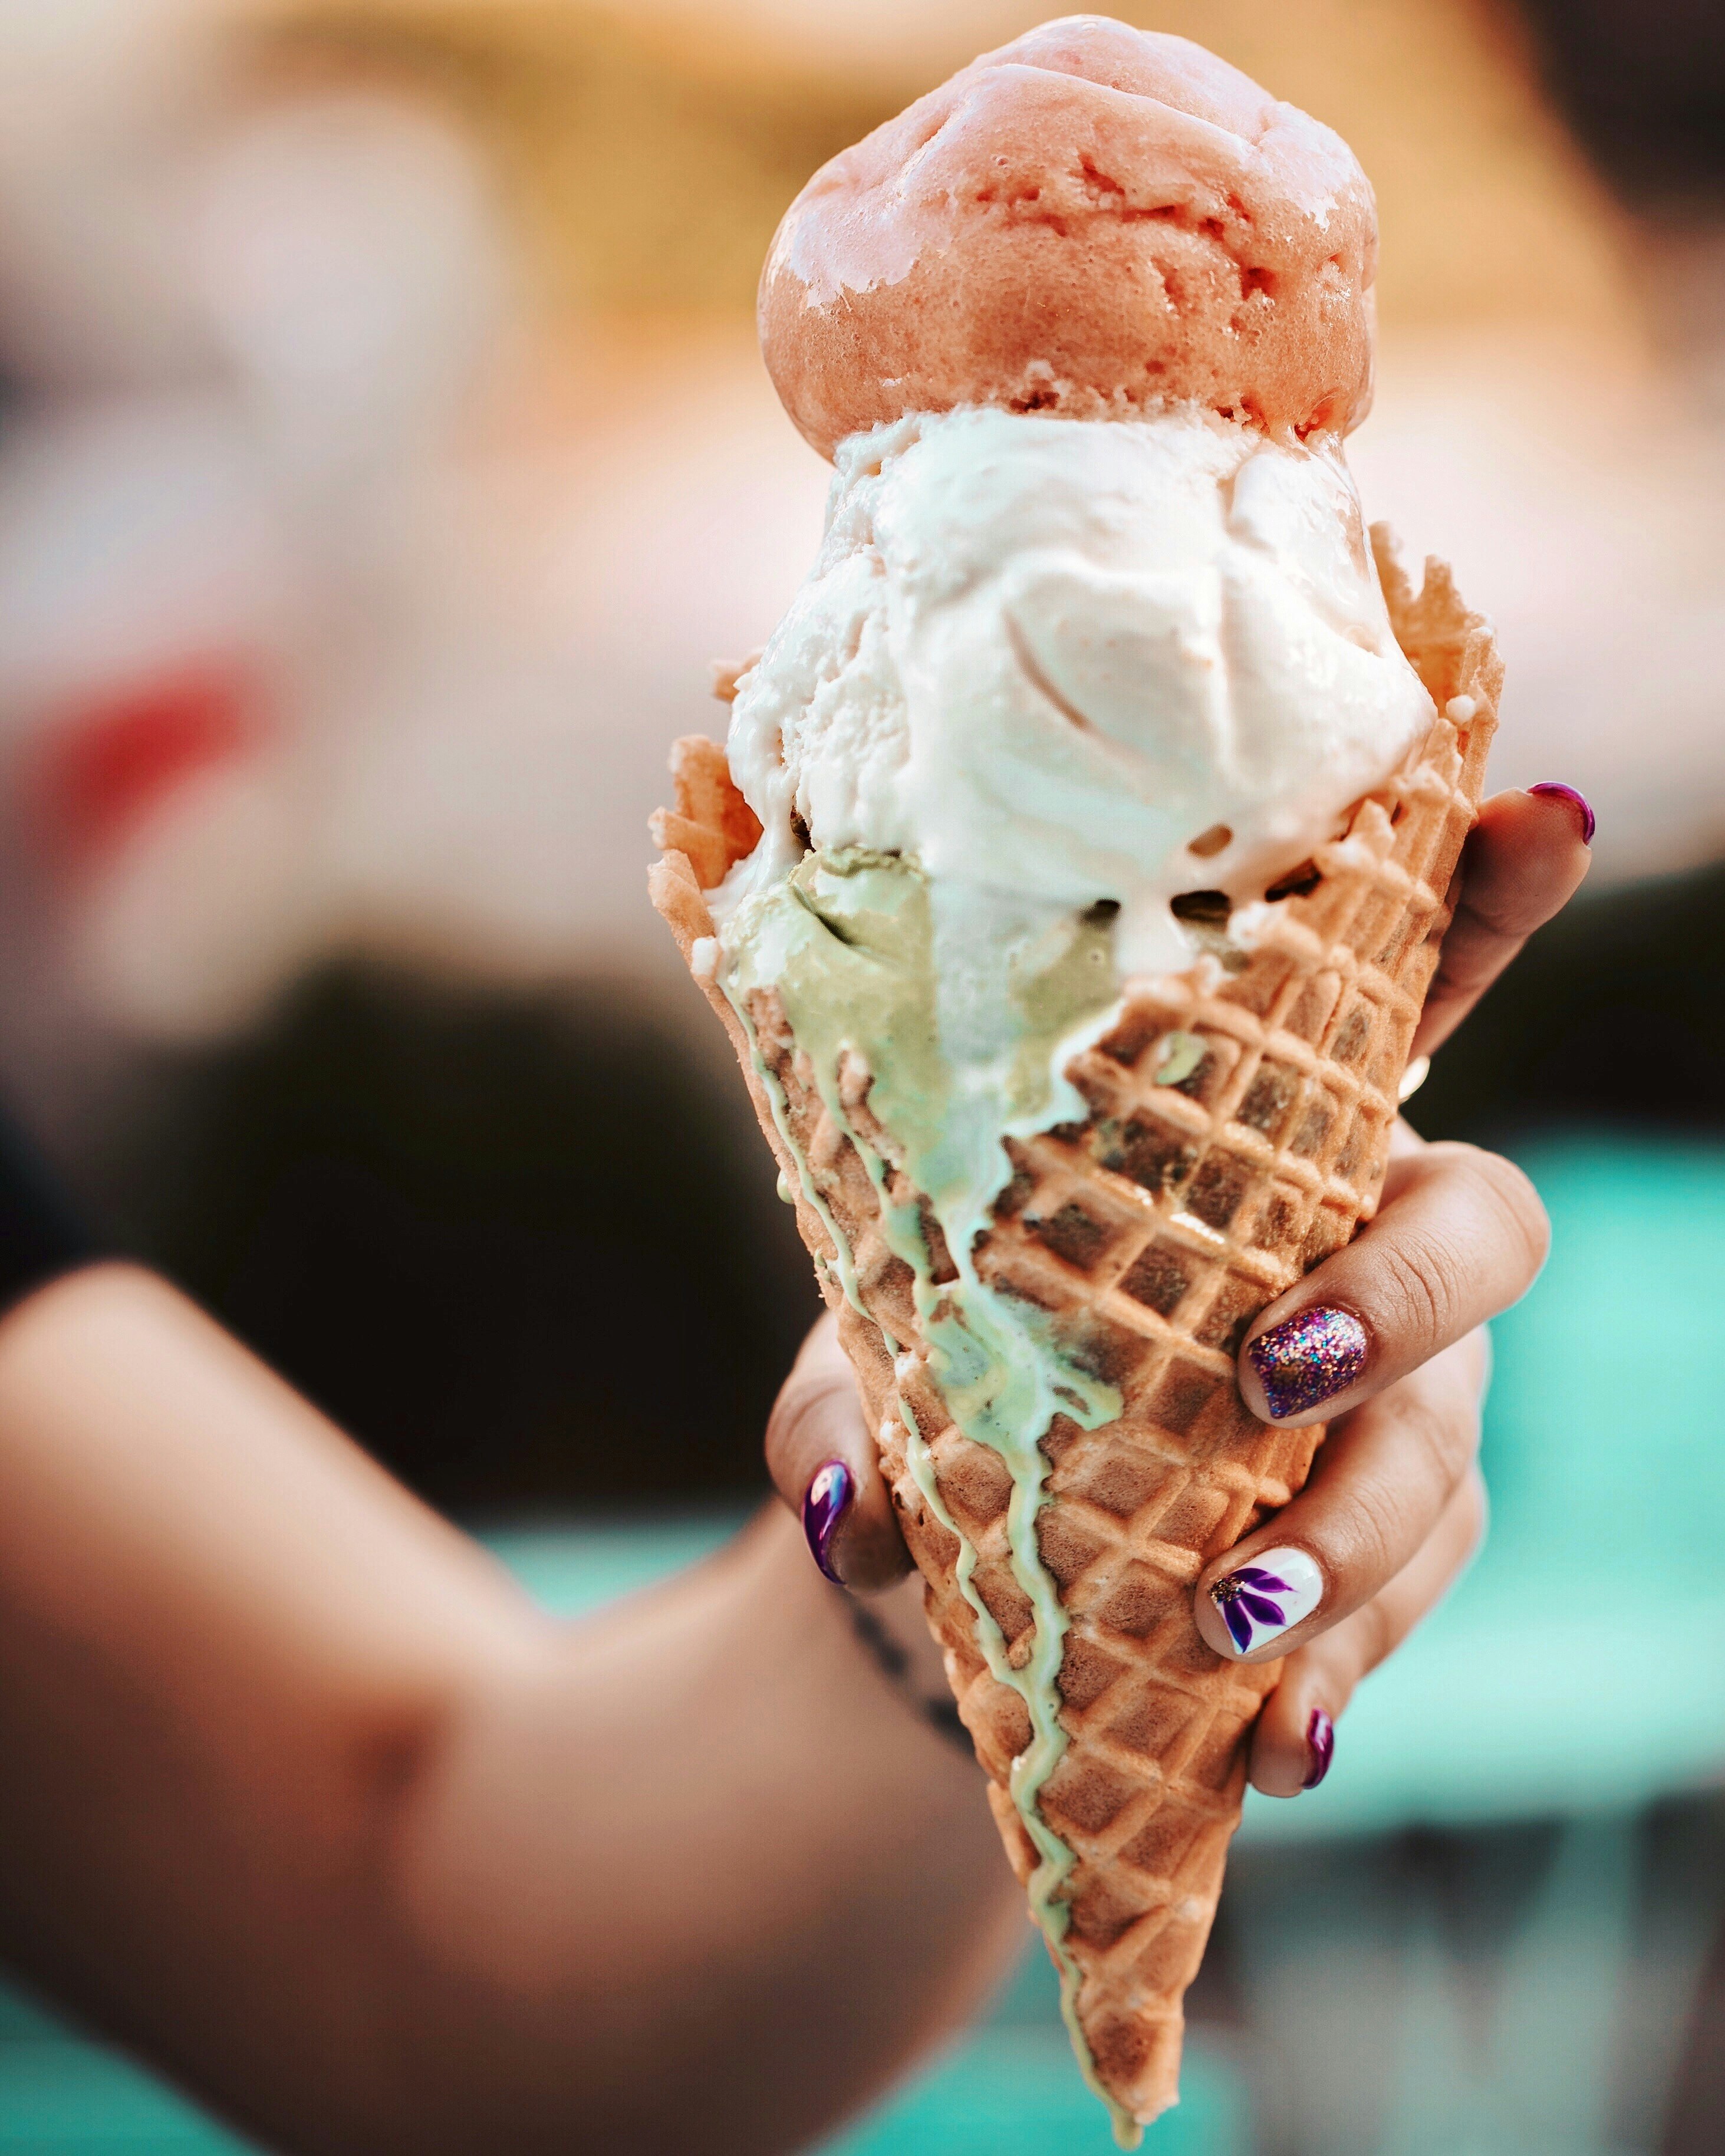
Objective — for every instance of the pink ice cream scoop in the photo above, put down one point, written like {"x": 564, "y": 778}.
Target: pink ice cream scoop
{"x": 1094, "y": 220}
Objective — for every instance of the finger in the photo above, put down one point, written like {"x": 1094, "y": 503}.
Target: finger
{"x": 1462, "y": 1235}
{"x": 823, "y": 1464}
{"x": 1522, "y": 862}
{"x": 1296, "y": 1733}
{"x": 1383, "y": 1480}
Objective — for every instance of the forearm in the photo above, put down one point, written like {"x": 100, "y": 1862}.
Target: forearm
{"x": 226, "y": 1642}
{"x": 304, "y": 1801}
{"x": 760, "y": 1880}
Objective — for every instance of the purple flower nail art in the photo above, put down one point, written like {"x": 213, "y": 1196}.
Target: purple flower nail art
{"x": 1243, "y": 1600}
{"x": 824, "y": 1504}
{"x": 1255, "y": 1601}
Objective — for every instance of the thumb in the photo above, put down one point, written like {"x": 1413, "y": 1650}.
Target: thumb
{"x": 821, "y": 1455}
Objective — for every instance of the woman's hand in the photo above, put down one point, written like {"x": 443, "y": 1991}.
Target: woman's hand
{"x": 1383, "y": 1341}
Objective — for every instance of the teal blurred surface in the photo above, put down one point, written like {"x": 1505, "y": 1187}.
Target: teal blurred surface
{"x": 575, "y": 1570}
{"x": 1593, "y": 1609}
{"x": 60, "y": 2095}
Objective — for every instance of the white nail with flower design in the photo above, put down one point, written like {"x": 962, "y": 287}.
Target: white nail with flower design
{"x": 1259, "y": 1600}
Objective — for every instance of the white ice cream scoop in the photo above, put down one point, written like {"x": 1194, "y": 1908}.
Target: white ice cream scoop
{"x": 1066, "y": 661}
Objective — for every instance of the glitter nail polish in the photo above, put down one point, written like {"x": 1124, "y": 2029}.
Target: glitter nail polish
{"x": 824, "y": 1504}
{"x": 1276, "y": 1590}
{"x": 1556, "y": 789}
{"x": 1308, "y": 1360}
{"x": 1320, "y": 1748}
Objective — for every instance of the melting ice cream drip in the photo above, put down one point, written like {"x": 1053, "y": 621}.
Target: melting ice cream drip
{"x": 999, "y": 1369}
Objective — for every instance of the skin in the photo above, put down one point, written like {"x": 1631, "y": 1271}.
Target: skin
{"x": 1395, "y": 1506}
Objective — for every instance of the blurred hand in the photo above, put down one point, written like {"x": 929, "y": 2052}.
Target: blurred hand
{"x": 1383, "y": 1341}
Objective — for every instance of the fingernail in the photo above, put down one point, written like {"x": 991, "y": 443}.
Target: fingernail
{"x": 1268, "y": 1597}
{"x": 824, "y": 1504}
{"x": 1308, "y": 1359}
{"x": 1320, "y": 1748}
{"x": 1578, "y": 801}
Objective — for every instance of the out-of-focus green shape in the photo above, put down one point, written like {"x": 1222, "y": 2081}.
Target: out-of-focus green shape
{"x": 576, "y": 1569}
{"x": 60, "y": 2095}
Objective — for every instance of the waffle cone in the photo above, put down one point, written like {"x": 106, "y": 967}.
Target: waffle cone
{"x": 1210, "y": 1174}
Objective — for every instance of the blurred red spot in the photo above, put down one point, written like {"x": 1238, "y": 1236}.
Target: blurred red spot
{"x": 102, "y": 768}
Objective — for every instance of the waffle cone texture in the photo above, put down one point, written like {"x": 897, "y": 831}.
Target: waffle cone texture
{"x": 1210, "y": 1174}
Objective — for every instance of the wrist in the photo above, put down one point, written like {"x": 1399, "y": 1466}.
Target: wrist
{"x": 892, "y": 1632}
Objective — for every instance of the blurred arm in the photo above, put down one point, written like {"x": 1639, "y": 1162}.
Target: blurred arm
{"x": 304, "y": 1801}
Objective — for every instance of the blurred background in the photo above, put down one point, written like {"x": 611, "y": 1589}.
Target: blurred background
{"x": 384, "y": 457}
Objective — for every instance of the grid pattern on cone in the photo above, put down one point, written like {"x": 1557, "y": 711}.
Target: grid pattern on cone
{"x": 1238, "y": 1130}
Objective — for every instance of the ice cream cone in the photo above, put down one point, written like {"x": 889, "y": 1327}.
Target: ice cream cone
{"x": 1239, "y": 1128}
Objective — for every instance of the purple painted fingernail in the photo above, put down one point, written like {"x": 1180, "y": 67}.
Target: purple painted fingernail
{"x": 1577, "y": 801}
{"x": 1308, "y": 1359}
{"x": 1320, "y": 1748}
{"x": 824, "y": 1504}
{"x": 1279, "y": 1589}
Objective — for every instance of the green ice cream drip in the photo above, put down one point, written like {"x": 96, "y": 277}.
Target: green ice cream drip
{"x": 849, "y": 939}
